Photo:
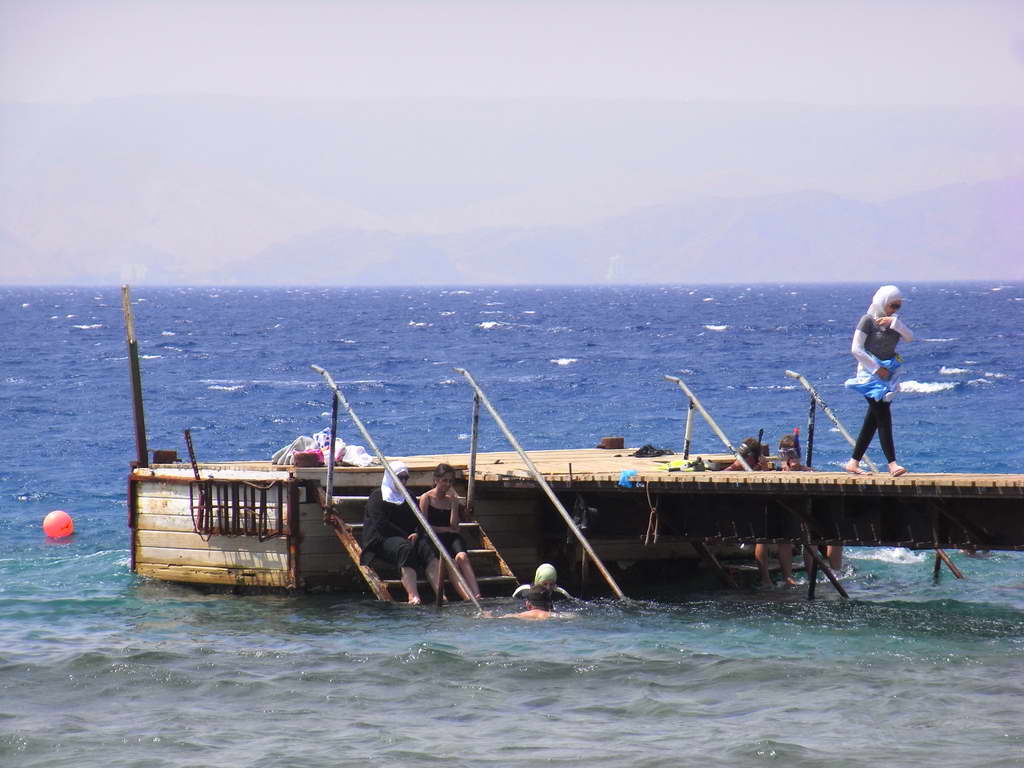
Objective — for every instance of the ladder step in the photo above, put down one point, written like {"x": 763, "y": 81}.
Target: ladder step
{"x": 480, "y": 580}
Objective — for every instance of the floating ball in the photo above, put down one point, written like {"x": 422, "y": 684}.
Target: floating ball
{"x": 58, "y": 524}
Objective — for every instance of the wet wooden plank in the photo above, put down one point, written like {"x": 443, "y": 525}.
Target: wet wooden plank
{"x": 243, "y": 560}
{"x": 242, "y": 545}
{"x": 213, "y": 575}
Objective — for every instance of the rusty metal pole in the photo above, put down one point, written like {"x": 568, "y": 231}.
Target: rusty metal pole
{"x": 141, "y": 449}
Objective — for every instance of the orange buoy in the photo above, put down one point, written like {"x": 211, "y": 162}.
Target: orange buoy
{"x": 58, "y": 524}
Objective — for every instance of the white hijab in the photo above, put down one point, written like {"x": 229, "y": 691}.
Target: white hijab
{"x": 389, "y": 490}
{"x": 884, "y": 296}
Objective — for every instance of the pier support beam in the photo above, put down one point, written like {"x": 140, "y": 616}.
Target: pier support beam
{"x": 940, "y": 558}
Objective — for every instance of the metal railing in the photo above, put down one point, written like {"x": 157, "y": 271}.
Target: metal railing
{"x": 441, "y": 551}
{"x": 532, "y": 469}
{"x": 818, "y": 402}
{"x": 694, "y": 403}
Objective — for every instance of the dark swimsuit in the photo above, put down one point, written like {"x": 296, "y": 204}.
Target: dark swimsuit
{"x": 442, "y": 518}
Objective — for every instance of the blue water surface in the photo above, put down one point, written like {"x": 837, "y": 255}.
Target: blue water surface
{"x": 99, "y": 667}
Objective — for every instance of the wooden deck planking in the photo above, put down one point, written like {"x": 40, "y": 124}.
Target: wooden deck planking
{"x": 587, "y": 464}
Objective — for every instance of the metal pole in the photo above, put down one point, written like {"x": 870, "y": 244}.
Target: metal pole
{"x": 141, "y": 450}
{"x": 828, "y": 412}
{"x": 474, "y": 433}
{"x": 689, "y": 430}
{"x": 711, "y": 422}
{"x": 330, "y": 452}
{"x": 441, "y": 551}
{"x": 811, "y": 413}
{"x": 542, "y": 483}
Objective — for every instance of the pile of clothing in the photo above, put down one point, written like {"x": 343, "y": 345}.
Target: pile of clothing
{"x": 316, "y": 451}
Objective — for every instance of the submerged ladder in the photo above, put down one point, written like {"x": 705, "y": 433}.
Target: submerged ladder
{"x": 345, "y": 515}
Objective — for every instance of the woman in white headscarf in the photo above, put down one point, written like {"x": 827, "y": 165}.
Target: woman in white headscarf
{"x": 874, "y": 348}
{"x": 389, "y": 532}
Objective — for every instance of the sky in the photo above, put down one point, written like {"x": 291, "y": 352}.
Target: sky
{"x": 894, "y": 52}
{"x": 441, "y": 163}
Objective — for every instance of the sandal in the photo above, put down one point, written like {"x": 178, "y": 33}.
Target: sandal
{"x": 853, "y": 467}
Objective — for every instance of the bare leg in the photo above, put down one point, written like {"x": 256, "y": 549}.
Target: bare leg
{"x": 835, "y": 556}
{"x": 409, "y": 582}
{"x": 761, "y": 555}
{"x": 462, "y": 561}
{"x": 786, "y": 562}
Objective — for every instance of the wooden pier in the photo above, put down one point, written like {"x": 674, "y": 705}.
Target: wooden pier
{"x": 270, "y": 529}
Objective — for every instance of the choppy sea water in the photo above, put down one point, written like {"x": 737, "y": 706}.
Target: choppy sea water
{"x": 98, "y": 667}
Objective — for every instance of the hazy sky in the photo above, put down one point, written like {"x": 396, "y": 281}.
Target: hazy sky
{"x": 213, "y": 131}
{"x": 892, "y": 52}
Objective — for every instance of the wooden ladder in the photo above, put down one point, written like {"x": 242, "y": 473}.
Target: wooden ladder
{"x": 345, "y": 515}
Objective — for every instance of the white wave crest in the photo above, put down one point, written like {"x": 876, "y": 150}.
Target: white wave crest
{"x": 414, "y": 324}
{"x": 150, "y": 357}
{"x": 926, "y": 387}
{"x": 168, "y": 333}
{"x": 709, "y": 298}
{"x": 564, "y": 361}
{"x": 977, "y": 382}
{"x": 226, "y": 388}
{"x": 952, "y": 371}
{"x": 88, "y": 327}
{"x": 25, "y": 306}
{"x": 938, "y": 340}
{"x": 489, "y": 324}
{"x": 717, "y": 327}
{"x": 995, "y": 375}
{"x": 894, "y": 555}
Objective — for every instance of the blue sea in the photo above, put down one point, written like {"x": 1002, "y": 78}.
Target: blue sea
{"x": 101, "y": 668}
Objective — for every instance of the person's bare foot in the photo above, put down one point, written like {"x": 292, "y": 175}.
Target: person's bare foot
{"x": 896, "y": 470}
{"x": 790, "y": 581}
{"x": 853, "y": 467}
{"x": 414, "y": 600}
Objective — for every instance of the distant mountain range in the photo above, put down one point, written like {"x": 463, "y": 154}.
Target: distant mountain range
{"x": 208, "y": 190}
{"x": 960, "y": 232}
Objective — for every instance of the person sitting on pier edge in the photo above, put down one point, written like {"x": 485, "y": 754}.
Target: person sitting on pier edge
{"x": 389, "y": 532}
{"x": 547, "y": 577}
{"x": 789, "y": 457}
{"x": 750, "y": 450}
{"x": 874, "y": 348}
{"x": 538, "y": 606}
{"x": 442, "y": 508}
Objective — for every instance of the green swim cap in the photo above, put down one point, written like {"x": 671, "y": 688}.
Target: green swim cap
{"x": 545, "y": 572}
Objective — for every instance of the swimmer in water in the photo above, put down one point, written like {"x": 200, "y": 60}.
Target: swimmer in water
{"x": 546, "y": 576}
{"x": 538, "y": 606}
